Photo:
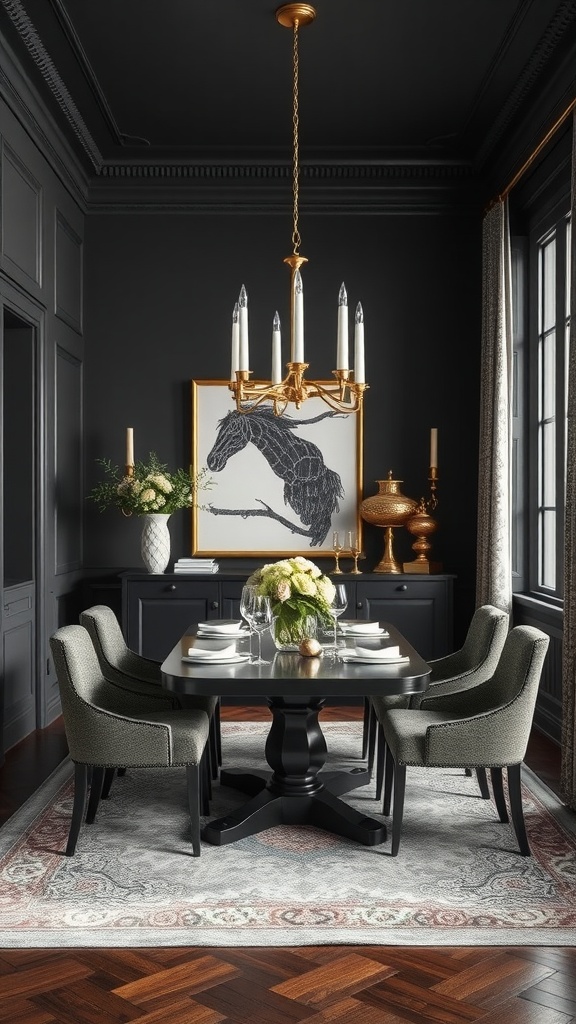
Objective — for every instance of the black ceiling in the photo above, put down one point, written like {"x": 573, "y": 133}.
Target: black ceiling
{"x": 184, "y": 81}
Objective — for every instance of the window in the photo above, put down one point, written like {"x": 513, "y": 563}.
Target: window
{"x": 549, "y": 325}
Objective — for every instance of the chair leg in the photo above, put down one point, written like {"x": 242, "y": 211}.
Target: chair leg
{"x": 498, "y": 791}
{"x": 468, "y": 772}
{"x": 483, "y": 783}
{"x": 80, "y": 791}
{"x": 388, "y": 776}
{"x": 95, "y": 793}
{"x": 108, "y": 780}
{"x": 205, "y": 784}
{"x": 121, "y": 771}
{"x": 398, "y": 809}
{"x": 515, "y": 795}
{"x": 380, "y": 756}
{"x": 193, "y": 785}
{"x": 365, "y": 724}
{"x": 218, "y": 732}
{"x": 213, "y": 748}
{"x": 372, "y": 727}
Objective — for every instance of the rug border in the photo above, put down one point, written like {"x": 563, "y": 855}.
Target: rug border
{"x": 24, "y": 817}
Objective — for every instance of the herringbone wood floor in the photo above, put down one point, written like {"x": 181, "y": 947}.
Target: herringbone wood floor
{"x": 317, "y": 985}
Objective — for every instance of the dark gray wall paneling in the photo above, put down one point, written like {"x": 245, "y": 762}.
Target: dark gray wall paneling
{"x": 68, "y": 464}
{"x": 68, "y": 274}
{"x": 21, "y": 219}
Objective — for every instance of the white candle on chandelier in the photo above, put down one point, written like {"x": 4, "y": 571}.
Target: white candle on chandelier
{"x": 234, "y": 364}
{"x": 359, "y": 371}
{"x": 342, "y": 346}
{"x": 298, "y": 343}
{"x": 276, "y": 376}
{"x": 243, "y": 357}
{"x": 434, "y": 448}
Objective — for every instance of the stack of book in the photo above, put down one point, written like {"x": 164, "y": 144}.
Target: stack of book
{"x": 196, "y": 565}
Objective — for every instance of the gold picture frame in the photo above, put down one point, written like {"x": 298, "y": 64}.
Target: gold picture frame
{"x": 281, "y": 484}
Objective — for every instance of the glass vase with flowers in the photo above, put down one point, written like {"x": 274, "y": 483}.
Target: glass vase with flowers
{"x": 299, "y": 593}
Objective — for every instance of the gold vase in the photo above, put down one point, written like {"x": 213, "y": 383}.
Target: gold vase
{"x": 387, "y": 509}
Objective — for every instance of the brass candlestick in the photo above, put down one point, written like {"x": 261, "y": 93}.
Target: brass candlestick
{"x": 421, "y": 525}
{"x": 337, "y": 546}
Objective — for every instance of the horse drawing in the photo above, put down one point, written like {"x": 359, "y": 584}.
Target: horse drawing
{"x": 310, "y": 488}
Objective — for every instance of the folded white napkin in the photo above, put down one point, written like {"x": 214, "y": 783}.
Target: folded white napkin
{"x": 221, "y": 626}
{"x": 202, "y": 654}
{"x": 360, "y": 627}
{"x": 379, "y": 654}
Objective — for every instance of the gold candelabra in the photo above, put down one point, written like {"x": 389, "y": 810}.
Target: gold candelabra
{"x": 346, "y": 393}
{"x": 343, "y": 396}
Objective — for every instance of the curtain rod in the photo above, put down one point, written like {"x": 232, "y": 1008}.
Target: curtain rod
{"x": 506, "y": 192}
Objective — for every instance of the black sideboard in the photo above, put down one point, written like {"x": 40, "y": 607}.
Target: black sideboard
{"x": 158, "y": 609}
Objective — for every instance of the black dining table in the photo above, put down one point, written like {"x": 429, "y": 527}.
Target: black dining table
{"x": 297, "y": 790}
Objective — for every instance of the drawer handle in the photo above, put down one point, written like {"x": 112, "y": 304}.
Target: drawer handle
{"x": 403, "y": 586}
{"x": 359, "y": 604}
{"x": 172, "y": 586}
{"x": 214, "y": 606}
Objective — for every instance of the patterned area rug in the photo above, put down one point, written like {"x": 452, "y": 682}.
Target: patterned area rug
{"x": 458, "y": 878}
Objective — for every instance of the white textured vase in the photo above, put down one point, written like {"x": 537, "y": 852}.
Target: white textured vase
{"x": 155, "y": 545}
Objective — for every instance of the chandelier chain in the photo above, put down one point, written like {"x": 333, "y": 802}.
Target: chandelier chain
{"x": 296, "y": 240}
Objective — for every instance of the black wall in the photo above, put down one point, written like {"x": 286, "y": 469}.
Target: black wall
{"x": 159, "y": 293}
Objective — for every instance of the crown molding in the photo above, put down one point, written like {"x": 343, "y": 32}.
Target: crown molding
{"x": 31, "y": 114}
{"x": 325, "y": 187}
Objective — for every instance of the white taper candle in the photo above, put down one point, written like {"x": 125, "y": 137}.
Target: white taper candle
{"x": 129, "y": 446}
{"x": 359, "y": 370}
{"x": 276, "y": 375}
{"x": 434, "y": 448}
{"x": 298, "y": 353}
{"x": 234, "y": 362}
{"x": 243, "y": 356}
{"x": 342, "y": 345}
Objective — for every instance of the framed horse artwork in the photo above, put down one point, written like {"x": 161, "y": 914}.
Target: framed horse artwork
{"x": 283, "y": 485}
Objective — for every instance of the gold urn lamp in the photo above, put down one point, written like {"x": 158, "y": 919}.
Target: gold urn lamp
{"x": 388, "y": 509}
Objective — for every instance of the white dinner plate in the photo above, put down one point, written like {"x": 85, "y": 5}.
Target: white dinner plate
{"x": 236, "y": 659}
{"x": 347, "y": 631}
{"x": 221, "y": 635}
{"x": 349, "y": 654}
{"x": 225, "y": 626}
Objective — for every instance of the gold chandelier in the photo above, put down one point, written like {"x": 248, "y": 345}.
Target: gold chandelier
{"x": 346, "y": 393}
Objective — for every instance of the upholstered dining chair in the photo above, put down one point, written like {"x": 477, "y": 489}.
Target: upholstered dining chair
{"x": 487, "y": 727}
{"x": 470, "y": 665}
{"x": 104, "y": 731}
{"x": 141, "y": 676}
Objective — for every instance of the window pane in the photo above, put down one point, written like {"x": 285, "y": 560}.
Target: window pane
{"x": 548, "y": 549}
{"x": 548, "y": 377}
{"x": 548, "y": 496}
{"x": 549, "y": 285}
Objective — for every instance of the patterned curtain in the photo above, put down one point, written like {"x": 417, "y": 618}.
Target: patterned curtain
{"x": 494, "y": 562}
{"x": 568, "y": 766}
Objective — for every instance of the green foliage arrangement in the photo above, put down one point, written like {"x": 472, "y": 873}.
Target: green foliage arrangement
{"x": 296, "y": 588}
{"x": 151, "y": 488}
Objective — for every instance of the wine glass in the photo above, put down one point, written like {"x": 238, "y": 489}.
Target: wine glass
{"x": 338, "y": 606}
{"x": 245, "y": 598}
{"x": 259, "y": 617}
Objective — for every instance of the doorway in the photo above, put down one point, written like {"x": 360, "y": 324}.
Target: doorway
{"x": 18, "y": 527}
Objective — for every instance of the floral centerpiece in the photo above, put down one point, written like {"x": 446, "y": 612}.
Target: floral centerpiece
{"x": 150, "y": 488}
{"x": 297, "y": 588}
{"x": 154, "y": 493}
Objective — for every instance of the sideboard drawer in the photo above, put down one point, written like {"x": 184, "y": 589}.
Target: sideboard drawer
{"x": 420, "y": 608}
{"x": 157, "y": 612}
